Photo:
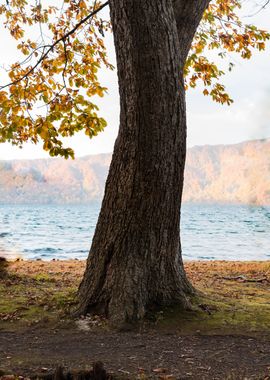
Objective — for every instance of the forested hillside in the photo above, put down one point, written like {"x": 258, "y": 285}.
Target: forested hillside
{"x": 223, "y": 173}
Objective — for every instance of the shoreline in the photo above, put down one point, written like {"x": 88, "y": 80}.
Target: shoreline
{"x": 187, "y": 261}
{"x": 208, "y": 270}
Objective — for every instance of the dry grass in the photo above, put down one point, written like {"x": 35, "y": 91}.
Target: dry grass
{"x": 234, "y": 296}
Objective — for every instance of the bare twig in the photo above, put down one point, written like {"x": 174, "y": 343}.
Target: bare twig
{"x": 259, "y": 10}
{"x": 245, "y": 279}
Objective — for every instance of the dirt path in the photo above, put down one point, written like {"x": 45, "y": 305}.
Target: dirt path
{"x": 184, "y": 357}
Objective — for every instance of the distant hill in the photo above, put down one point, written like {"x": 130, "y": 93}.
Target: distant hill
{"x": 223, "y": 173}
{"x": 229, "y": 173}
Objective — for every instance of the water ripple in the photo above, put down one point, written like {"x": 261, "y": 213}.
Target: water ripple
{"x": 65, "y": 232}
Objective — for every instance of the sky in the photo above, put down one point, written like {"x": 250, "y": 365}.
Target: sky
{"x": 208, "y": 123}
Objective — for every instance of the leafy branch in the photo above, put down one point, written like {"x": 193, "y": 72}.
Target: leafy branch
{"x": 52, "y": 98}
{"x": 52, "y": 46}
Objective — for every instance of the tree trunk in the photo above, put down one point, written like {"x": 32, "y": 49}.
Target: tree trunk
{"x": 135, "y": 259}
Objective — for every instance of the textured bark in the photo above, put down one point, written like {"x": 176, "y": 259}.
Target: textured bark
{"x": 135, "y": 259}
{"x": 188, "y": 15}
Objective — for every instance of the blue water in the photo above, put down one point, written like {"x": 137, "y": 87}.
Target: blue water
{"x": 210, "y": 232}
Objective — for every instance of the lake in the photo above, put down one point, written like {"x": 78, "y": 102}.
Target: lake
{"x": 209, "y": 232}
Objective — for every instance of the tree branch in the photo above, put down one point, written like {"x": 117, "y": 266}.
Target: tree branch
{"x": 262, "y": 7}
{"x": 188, "y": 15}
{"x": 52, "y": 46}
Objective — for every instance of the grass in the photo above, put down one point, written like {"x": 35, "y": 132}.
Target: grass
{"x": 233, "y": 298}
{"x": 38, "y": 297}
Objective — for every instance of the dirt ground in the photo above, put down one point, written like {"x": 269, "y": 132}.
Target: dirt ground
{"x": 227, "y": 336}
{"x": 131, "y": 354}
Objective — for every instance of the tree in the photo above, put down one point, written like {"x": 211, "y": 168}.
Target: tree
{"x": 135, "y": 260}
